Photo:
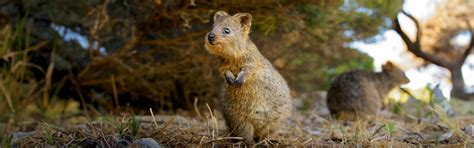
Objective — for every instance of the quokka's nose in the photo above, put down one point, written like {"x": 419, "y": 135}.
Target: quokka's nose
{"x": 211, "y": 37}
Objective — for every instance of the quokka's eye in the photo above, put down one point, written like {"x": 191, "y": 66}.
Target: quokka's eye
{"x": 226, "y": 30}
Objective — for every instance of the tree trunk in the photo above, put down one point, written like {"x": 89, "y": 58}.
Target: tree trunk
{"x": 458, "y": 84}
{"x": 454, "y": 67}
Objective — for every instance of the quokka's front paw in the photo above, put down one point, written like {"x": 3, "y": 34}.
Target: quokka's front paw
{"x": 229, "y": 77}
{"x": 232, "y": 80}
{"x": 240, "y": 79}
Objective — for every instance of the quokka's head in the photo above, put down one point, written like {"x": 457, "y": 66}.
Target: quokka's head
{"x": 228, "y": 34}
{"x": 395, "y": 73}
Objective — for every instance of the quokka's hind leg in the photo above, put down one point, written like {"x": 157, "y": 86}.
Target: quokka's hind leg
{"x": 265, "y": 132}
{"x": 348, "y": 115}
{"x": 244, "y": 130}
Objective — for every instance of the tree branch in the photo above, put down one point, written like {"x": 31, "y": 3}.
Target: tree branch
{"x": 415, "y": 47}
{"x": 417, "y": 24}
{"x": 468, "y": 49}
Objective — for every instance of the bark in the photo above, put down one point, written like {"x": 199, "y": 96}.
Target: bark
{"x": 459, "y": 90}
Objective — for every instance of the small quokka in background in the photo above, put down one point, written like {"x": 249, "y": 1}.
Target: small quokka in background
{"x": 361, "y": 93}
{"x": 256, "y": 97}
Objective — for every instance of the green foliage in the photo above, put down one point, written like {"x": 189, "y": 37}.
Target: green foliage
{"x": 134, "y": 125}
{"x": 119, "y": 125}
{"x": 17, "y": 83}
{"x": 452, "y": 124}
{"x": 21, "y": 94}
{"x": 267, "y": 25}
{"x": 5, "y": 138}
{"x": 129, "y": 126}
{"x": 317, "y": 16}
{"x": 390, "y": 127}
{"x": 416, "y": 101}
{"x": 397, "y": 108}
{"x": 377, "y": 13}
{"x": 331, "y": 26}
{"x": 352, "y": 16}
{"x": 48, "y": 132}
{"x": 437, "y": 138}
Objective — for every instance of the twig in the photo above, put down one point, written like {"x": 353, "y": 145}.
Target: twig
{"x": 69, "y": 143}
{"x": 103, "y": 137}
{"x": 307, "y": 141}
{"x": 8, "y": 96}
{"x": 263, "y": 141}
{"x": 76, "y": 87}
{"x": 411, "y": 133}
{"x": 225, "y": 138}
{"x": 376, "y": 131}
{"x": 202, "y": 139}
{"x": 167, "y": 123}
{"x": 408, "y": 93}
{"x": 196, "y": 107}
{"x": 26, "y": 50}
{"x": 114, "y": 89}
{"x": 216, "y": 128}
{"x": 377, "y": 139}
{"x": 48, "y": 79}
{"x": 153, "y": 116}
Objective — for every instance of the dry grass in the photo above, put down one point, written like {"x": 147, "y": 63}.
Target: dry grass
{"x": 304, "y": 129}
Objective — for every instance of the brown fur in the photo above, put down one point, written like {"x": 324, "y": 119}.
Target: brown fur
{"x": 256, "y": 97}
{"x": 360, "y": 93}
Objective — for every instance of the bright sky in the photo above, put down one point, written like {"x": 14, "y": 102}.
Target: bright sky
{"x": 391, "y": 47}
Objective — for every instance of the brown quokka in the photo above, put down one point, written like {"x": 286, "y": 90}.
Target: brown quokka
{"x": 256, "y": 97}
{"x": 361, "y": 93}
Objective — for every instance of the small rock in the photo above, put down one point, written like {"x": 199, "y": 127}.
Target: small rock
{"x": 121, "y": 143}
{"x": 17, "y": 136}
{"x": 82, "y": 128}
{"x": 446, "y": 136}
{"x": 90, "y": 143}
{"x": 146, "y": 142}
{"x": 468, "y": 130}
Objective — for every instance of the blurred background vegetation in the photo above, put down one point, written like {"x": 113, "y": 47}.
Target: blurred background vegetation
{"x": 68, "y": 62}
{"x": 59, "y": 56}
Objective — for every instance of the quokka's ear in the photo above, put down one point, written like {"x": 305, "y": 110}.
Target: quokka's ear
{"x": 245, "y": 20}
{"x": 219, "y": 15}
{"x": 388, "y": 66}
